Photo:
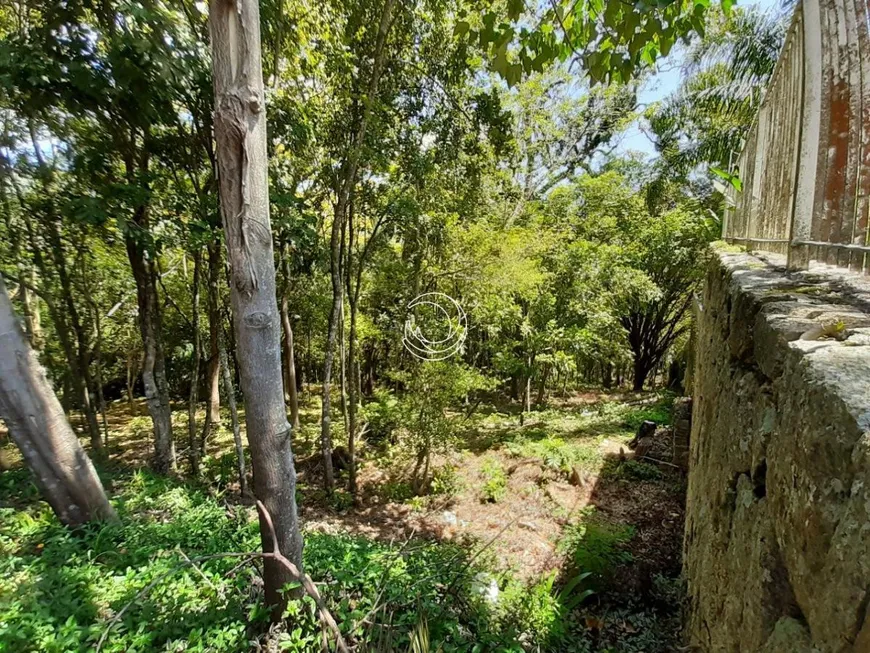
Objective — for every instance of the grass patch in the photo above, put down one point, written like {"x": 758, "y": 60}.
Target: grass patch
{"x": 558, "y": 454}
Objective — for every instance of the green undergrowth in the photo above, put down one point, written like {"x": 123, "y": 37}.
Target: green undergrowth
{"x": 606, "y": 419}
{"x": 596, "y": 546}
{"x": 564, "y": 439}
{"x": 60, "y": 590}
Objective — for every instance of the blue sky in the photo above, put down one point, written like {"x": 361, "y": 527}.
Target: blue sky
{"x": 664, "y": 83}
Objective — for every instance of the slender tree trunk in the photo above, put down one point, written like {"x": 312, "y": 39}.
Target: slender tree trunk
{"x": 80, "y": 361}
{"x": 193, "y": 450}
{"x": 230, "y": 396}
{"x": 144, "y": 268}
{"x": 79, "y": 357}
{"x": 37, "y": 425}
{"x": 214, "y": 329}
{"x": 98, "y": 368}
{"x": 353, "y": 290}
{"x": 329, "y": 354}
{"x": 97, "y": 353}
{"x": 132, "y": 373}
{"x": 153, "y": 364}
{"x": 542, "y": 386}
{"x": 346, "y": 185}
{"x": 240, "y": 133}
{"x": 342, "y": 353}
{"x": 289, "y": 352}
{"x": 527, "y": 392}
{"x": 352, "y": 399}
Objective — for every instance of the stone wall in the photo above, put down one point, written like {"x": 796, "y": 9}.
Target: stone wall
{"x": 777, "y": 541}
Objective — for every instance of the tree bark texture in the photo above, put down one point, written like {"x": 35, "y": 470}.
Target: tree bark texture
{"x": 38, "y": 426}
{"x": 240, "y": 133}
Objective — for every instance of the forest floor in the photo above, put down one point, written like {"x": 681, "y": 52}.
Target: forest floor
{"x": 537, "y": 503}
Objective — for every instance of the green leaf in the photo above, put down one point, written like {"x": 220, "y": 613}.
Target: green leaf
{"x": 514, "y": 74}
{"x": 732, "y": 179}
{"x": 500, "y": 63}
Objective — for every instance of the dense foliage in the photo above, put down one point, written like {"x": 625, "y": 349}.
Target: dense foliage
{"x": 466, "y": 149}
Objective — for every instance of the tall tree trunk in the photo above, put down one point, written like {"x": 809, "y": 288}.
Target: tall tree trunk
{"x": 79, "y": 361}
{"x": 346, "y": 185}
{"x": 144, "y": 268}
{"x": 542, "y": 385}
{"x": 329, "y": 354}
{"x": 37, "y": 425}
{"x": 153, "y": 362}
{"x": 289, "y": 351}
{"x": 214, "y": 329}
{"x": 132, "y": 373}
{"x": 342, "y": 357}
{"x": 353, "y": 395}
{"x": 98, "y": 351}
{"x": 354, "y": 282}
{"x": 99, "y": 380}
{"x": 230, "y": 396}
{"x": 193, "y": 450}
{"x": 240, "y": 133}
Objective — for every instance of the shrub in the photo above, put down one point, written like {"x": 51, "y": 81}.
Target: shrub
{"x": 382, "y": 416}
{"x": 494, "y": 482}
{"x": 428, "y": 427}
{"x": 445, "y": 481}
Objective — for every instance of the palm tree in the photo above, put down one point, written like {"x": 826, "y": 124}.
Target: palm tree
{"x": 726, "y": 73}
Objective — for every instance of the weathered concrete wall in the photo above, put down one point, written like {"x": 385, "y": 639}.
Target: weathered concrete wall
{"x": 777, "y": 542}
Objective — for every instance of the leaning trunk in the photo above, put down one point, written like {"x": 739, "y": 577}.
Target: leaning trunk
{"x": 240, "y": 133}
{"x": 39, "y": 428}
